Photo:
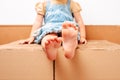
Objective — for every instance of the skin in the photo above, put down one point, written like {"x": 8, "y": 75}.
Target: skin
{"x": 70, "y": 41}
{"x": 52, "y": 42}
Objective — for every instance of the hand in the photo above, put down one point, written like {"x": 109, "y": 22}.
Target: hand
{"x": 27, "y": 41}
{"x": 83, "y": 40}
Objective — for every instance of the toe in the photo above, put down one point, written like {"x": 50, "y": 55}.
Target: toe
{"x": 64, "y": 26}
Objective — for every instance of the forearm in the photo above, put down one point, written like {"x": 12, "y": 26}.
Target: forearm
{"x": 37, "y": 24}
{"x": 79, "y": 20}
{"x": 82, "y": 29}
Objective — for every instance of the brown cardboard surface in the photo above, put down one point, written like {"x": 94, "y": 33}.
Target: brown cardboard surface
{"x": 24, "y": 62}
{"x": 10, "y": 33}
{"x": 103, "y": 32}
{"x": 96, "y": 60}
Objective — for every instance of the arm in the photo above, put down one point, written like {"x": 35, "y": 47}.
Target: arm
{"x": 81, "y": 29}
{"x": 37, "y": 24}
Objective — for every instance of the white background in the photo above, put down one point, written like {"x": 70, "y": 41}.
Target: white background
{"x": 94, "y": 12}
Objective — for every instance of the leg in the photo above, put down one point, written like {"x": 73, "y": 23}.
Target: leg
{"x": 69, "y": 35}
{"x": 50, "y": 44}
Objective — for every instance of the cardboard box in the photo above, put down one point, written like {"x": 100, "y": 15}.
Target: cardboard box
{"x": 10, "y": 33}
{"x": 96, "y": 60}
{"x": 24, "y": 62}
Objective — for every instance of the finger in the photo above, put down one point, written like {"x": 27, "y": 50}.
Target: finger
{"x": 24, "y": 42}
{"x": 30, "y": 42}
{"x": 21, "y": 42}
{"x": 83, "y": 41}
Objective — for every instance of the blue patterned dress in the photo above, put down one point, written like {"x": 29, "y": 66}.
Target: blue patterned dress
{"x": 55, "y": 15}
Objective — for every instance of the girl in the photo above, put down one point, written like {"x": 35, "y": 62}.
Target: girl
{"x": 59, "y": 27}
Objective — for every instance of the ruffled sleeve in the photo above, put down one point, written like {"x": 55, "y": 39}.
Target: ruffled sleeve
{"x": 40, "y": 8}
{"x": 75, "y": 6}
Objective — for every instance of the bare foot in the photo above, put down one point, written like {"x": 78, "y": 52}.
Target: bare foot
{"x": 51, "y": 47}
{"x": 69, "y": 34}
